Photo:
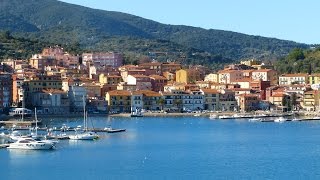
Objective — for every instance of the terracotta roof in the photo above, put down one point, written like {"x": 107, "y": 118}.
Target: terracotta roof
{"x": 53, "y": 91}
{"x": 278, "y": 95}
{"x": 263, "y": 70}
{"x": 158, "y": 77}
{"x": 119, "y": 93}
{"x": 139, "y": 76}
{"x": 208, "y": 91}
{"x": 294, "y": 75}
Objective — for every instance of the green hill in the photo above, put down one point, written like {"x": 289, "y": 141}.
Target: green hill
{"x": 63, "y": 23}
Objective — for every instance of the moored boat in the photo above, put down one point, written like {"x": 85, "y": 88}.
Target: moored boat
{"x": 31, "y": 144}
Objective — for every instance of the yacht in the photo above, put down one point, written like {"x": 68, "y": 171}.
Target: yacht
{"x": 85, "y": 135}
{"x": 280, "y": 119}
{"x": 20, "y": 112}
{"x": 31, "y": 144}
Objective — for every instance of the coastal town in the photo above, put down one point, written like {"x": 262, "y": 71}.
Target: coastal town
{"x": 56, "y": 82}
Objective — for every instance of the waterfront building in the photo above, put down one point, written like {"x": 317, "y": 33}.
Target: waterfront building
{"x": 6, "y": 84}
{"x": 51, "y": 101}
{"x": 248, "y": 102}
{"x": 136, "y": 101}
{"x": 265, "y": 75}
{"x": 211, "y": 99}
{"x": 288, "y": 79}
{"x": 76, "y": 95}
{"x": 151, "y": 100}
{"x": 119, "y": 101}
{"x": 93, "y": 90}
{"x": 39, "y": 83}
{"x": 227, "y": 100}
{"x": 311, "y": 100}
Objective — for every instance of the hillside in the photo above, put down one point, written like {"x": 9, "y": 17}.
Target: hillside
{"x": 60, "y": 22}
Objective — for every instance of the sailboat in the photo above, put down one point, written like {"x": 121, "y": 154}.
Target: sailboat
{"x": 85, "y": 135}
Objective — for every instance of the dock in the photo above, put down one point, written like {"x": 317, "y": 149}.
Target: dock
{"x": 19, "y": 123}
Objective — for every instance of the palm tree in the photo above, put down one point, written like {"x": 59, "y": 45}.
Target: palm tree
{"x": 178, "y": 102}
{"x": 161, "y": 102}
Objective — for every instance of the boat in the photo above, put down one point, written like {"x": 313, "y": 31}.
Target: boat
{"x": 111, "y": 130}
{"x": 255, "y": 119}
{"x": 20, "y": 112}
{"x": 213, "y": 116}
{"x": 280, "y": 119}
{"x": 136, "y": 113}
{"x": 85, "y": 135}
{"x": 31, "y": 144}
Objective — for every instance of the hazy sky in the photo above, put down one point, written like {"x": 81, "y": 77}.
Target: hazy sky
{"x": 284, "y": 19}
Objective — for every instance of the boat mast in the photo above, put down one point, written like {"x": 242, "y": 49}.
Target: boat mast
{"x": 84, "y": 114}
{"x": 35, "y": 116}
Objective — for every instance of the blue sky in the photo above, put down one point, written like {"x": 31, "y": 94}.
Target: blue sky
{"x": 284, "y": 19}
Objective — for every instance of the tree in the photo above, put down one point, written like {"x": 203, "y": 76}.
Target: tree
{"x": 161, "y": 102}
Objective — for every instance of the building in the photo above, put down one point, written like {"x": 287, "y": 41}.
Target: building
{"x": 248, "y": 102}
{"x": 227, "y": 100}
{"x": 211, "y": 99}
{"x": 6, "y": 85}
{"x": 228, "y": 76}
{"x": 158, "y": 82}
{"x": 211, "y": 77}
{"x": 102, "y": 59}
{"x": 265, "y": 75}
{"x": 77, "y": 96}
{"x": 141, "y": 82}
{"x": 51, "y": 101}
{"x": 188, "y": 75}
{"x": 311, "y": 100}
{"x": 288, "y": 79}
{"x": 109, "y": 79}
{"x": 119, "y": 101}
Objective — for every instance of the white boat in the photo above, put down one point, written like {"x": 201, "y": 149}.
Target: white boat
{"x": 31, "y": 144}
{"x": 280, "y": 119}
{"x": 20, "y": 112}
{"x": 255, "y": 119}
{"x": 85, "y": 135}
{"x": 213, "y": 116}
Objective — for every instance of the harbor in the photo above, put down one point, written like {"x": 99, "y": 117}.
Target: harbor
{"x": 170, "y": 146}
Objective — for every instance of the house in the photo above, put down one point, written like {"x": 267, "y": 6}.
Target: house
{"x": 265, "y": 75}
{"x": 119, "y": 101}
{"x": 142, "y": 82}
{"x": 6, "y": 84}
{"x": 227, "y": 76}
{"x": 77, "y": 96}
{"x": 288, "y": 79}
{"x": 227, "y": 100}
{"x": 211, "y": 99}
{"x": 188, "y": 75}
{"x": 311, "y": 100}
{"x": 248, "y": 102}
{"x": 158, "y": 82}
{"x": 51, "y": 101}
{"x": 102, "y": 59}
{"x": 212, "y": 77}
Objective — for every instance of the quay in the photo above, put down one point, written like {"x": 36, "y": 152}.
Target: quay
{"x": 12, "y": 123}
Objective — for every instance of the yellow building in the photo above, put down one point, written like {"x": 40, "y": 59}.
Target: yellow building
{"x": 314, "y": 79}
{"x": 119, "y": 101}
{"x": 109, "y": 79}
{"x": 211, "y": 77}
{"x": 311, "y": 100}
{"x": 182, "y": 76}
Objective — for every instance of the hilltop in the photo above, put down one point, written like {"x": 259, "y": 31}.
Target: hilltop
{"x": 63, "y": 23}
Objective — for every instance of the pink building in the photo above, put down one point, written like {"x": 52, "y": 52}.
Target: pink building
{"x": 102, "y": 59}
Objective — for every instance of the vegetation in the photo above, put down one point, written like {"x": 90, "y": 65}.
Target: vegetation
{"x": 61, "y": 23}
{"x": 300, "y": 61}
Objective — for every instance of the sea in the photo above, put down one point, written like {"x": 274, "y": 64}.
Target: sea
{"x": 174, "y": 148}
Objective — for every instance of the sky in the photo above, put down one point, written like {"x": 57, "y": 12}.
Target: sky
{"x": 294, "y": 20}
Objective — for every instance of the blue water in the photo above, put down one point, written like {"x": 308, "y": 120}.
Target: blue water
{"x": 176, "y": 148}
